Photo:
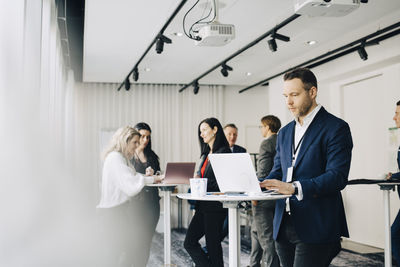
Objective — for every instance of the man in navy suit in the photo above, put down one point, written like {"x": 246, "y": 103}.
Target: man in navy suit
{"x": 396, "y": 176}
{"x": 312, "y": 164}
{"x": 231, "y": 133}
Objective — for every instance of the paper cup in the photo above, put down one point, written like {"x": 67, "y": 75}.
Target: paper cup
{"x": 198, "y": 187}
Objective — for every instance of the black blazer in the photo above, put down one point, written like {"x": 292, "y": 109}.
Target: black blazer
{"x": 212, "y": 185}
{"x": 238, "y": 149}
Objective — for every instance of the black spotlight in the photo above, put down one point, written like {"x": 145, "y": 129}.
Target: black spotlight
{"x": 364, "y": 1}
{"x": 160, "y": 43}
{"x": 225, "y": 69}
{"x": 135, "y": 75}
{"x": 272, "y": 45}
{"x": 224, "y": 72}
{"x": 127, "y": 84}
{"x": 363, "y": 53}
{"x": 281, "y": 37}
{"x": 196, "y": 87}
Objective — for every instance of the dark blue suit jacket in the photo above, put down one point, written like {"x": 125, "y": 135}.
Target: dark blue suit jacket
{"x": 238, "y": 149}
{"x": 322, "y": 168}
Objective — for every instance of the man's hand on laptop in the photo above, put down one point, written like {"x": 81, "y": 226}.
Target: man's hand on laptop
{"x": 281, "y": 187}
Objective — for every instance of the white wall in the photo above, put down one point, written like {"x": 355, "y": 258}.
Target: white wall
{"x": 245, "y": 110}
{"x": 363, "y": 93}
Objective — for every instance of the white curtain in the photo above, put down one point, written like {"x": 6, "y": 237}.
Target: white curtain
{"x": 40, "y": 201}
{"x": 173, "y": 117}
{"x": 49, "y": 139}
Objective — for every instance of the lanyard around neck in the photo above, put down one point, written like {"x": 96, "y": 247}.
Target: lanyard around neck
{"x": 295, "y": 148}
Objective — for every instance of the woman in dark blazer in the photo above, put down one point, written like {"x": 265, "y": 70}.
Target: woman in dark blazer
{"x": 209, "y": 215}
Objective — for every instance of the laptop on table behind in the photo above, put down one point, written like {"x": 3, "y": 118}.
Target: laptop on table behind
{"x": 178, "y": 172}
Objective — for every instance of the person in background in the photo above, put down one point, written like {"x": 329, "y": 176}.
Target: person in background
{"x": 396, "y": 176}
{"x": 144, "y": 158}
{"x": 262, "y": 242}
{"x": 312, "y": 163}
{"x": 209, "y": 215}
{"x": 121, "y": 201}
{"x": 231, "y": 133}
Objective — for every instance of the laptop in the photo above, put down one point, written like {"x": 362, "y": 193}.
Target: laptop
{"x": 235, "y": 173}
{"x": 178, "y": 172}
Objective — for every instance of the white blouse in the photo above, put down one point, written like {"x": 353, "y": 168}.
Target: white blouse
{"x": 120, "y": 181}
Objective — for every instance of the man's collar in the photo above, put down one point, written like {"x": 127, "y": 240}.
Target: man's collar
{"x": 310, "y": 116}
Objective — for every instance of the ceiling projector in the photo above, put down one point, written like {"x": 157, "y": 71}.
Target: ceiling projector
{"x": 215, "y": 34}
{"x": 325, "y": 8}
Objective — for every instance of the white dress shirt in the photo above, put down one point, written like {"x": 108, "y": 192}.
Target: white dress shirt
{"x": 120, "y": 181}
{"x": 300, "y": 130}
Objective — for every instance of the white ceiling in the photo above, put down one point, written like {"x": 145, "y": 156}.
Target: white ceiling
{"x": 118, "y": 32}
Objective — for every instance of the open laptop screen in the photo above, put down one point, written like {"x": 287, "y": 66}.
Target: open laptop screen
{"x": 179, "y": 172}
{"x": 234, "y": 172}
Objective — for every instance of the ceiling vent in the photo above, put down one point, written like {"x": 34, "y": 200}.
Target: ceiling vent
{"x": 325, "y": 8}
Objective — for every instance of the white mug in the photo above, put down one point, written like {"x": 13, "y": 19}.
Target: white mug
{"x": 198, "y": 187}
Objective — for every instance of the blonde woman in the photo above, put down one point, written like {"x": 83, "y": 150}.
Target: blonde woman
{"x": 121, "y": 201}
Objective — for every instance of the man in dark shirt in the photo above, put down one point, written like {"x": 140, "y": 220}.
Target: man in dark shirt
{"x": 231, "y": 133}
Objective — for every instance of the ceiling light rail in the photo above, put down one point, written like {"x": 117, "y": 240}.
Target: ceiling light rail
{"x": 159, "y": 40}
{"x": 256, "y": 41}
{"x": 357, "y": 45}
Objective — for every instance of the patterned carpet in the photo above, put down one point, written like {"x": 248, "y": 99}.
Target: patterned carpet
{"x": 180, "y": 258}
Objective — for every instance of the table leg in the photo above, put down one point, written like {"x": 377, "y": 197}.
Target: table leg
{"x": 180, "y": 214}
{"x": 167, "y": 227}
{"x": 388, "y": 241}
{"x": 234, "y": 233}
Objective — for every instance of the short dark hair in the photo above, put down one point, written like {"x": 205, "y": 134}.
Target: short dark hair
{"x": 230, "y": 125}
{"x": 305, "y": 75}
{"x": 273, "y": 122}
{"x": 398, "y": 103}
{"x": 220, "y": 139}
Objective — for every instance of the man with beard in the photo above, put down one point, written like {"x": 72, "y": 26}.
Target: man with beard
{"x": 312, "y": 164}
{"x": 396, "y": 176}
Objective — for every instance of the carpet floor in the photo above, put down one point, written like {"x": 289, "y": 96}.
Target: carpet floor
{"x": 180, "y": 258}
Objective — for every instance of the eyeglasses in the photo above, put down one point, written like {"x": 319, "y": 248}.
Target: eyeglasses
{"x": 261, "y": 126}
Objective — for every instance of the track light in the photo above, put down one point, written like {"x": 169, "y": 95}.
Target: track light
{"x": 272, "y": 45}
{"x": 272, "y": 42}
{"x": 280, "y": 37}
{"x": 362, "y": 53}
{"x": 225, "y": 69}
{"x": 196, "y": 87}
{"x": 160, "y": 43}
{"x": 127, "y": 84}
{"x": 135, "y": 75}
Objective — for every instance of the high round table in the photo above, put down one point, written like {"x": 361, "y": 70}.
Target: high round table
{"x": 231, "y": 202}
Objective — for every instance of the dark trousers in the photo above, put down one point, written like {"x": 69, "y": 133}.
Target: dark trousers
{"x": 293, "y": 252}
{"x": 262, "y": 241}
{"x": 208, "y": 224}
{"x": 396, "y": 239}
{"x": 150, "y": 215}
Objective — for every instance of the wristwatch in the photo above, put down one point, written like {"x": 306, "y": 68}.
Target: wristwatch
{"x": 296, "y": 188}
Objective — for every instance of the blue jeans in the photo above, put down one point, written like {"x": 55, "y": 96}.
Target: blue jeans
{"x": 293, "y": 252}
